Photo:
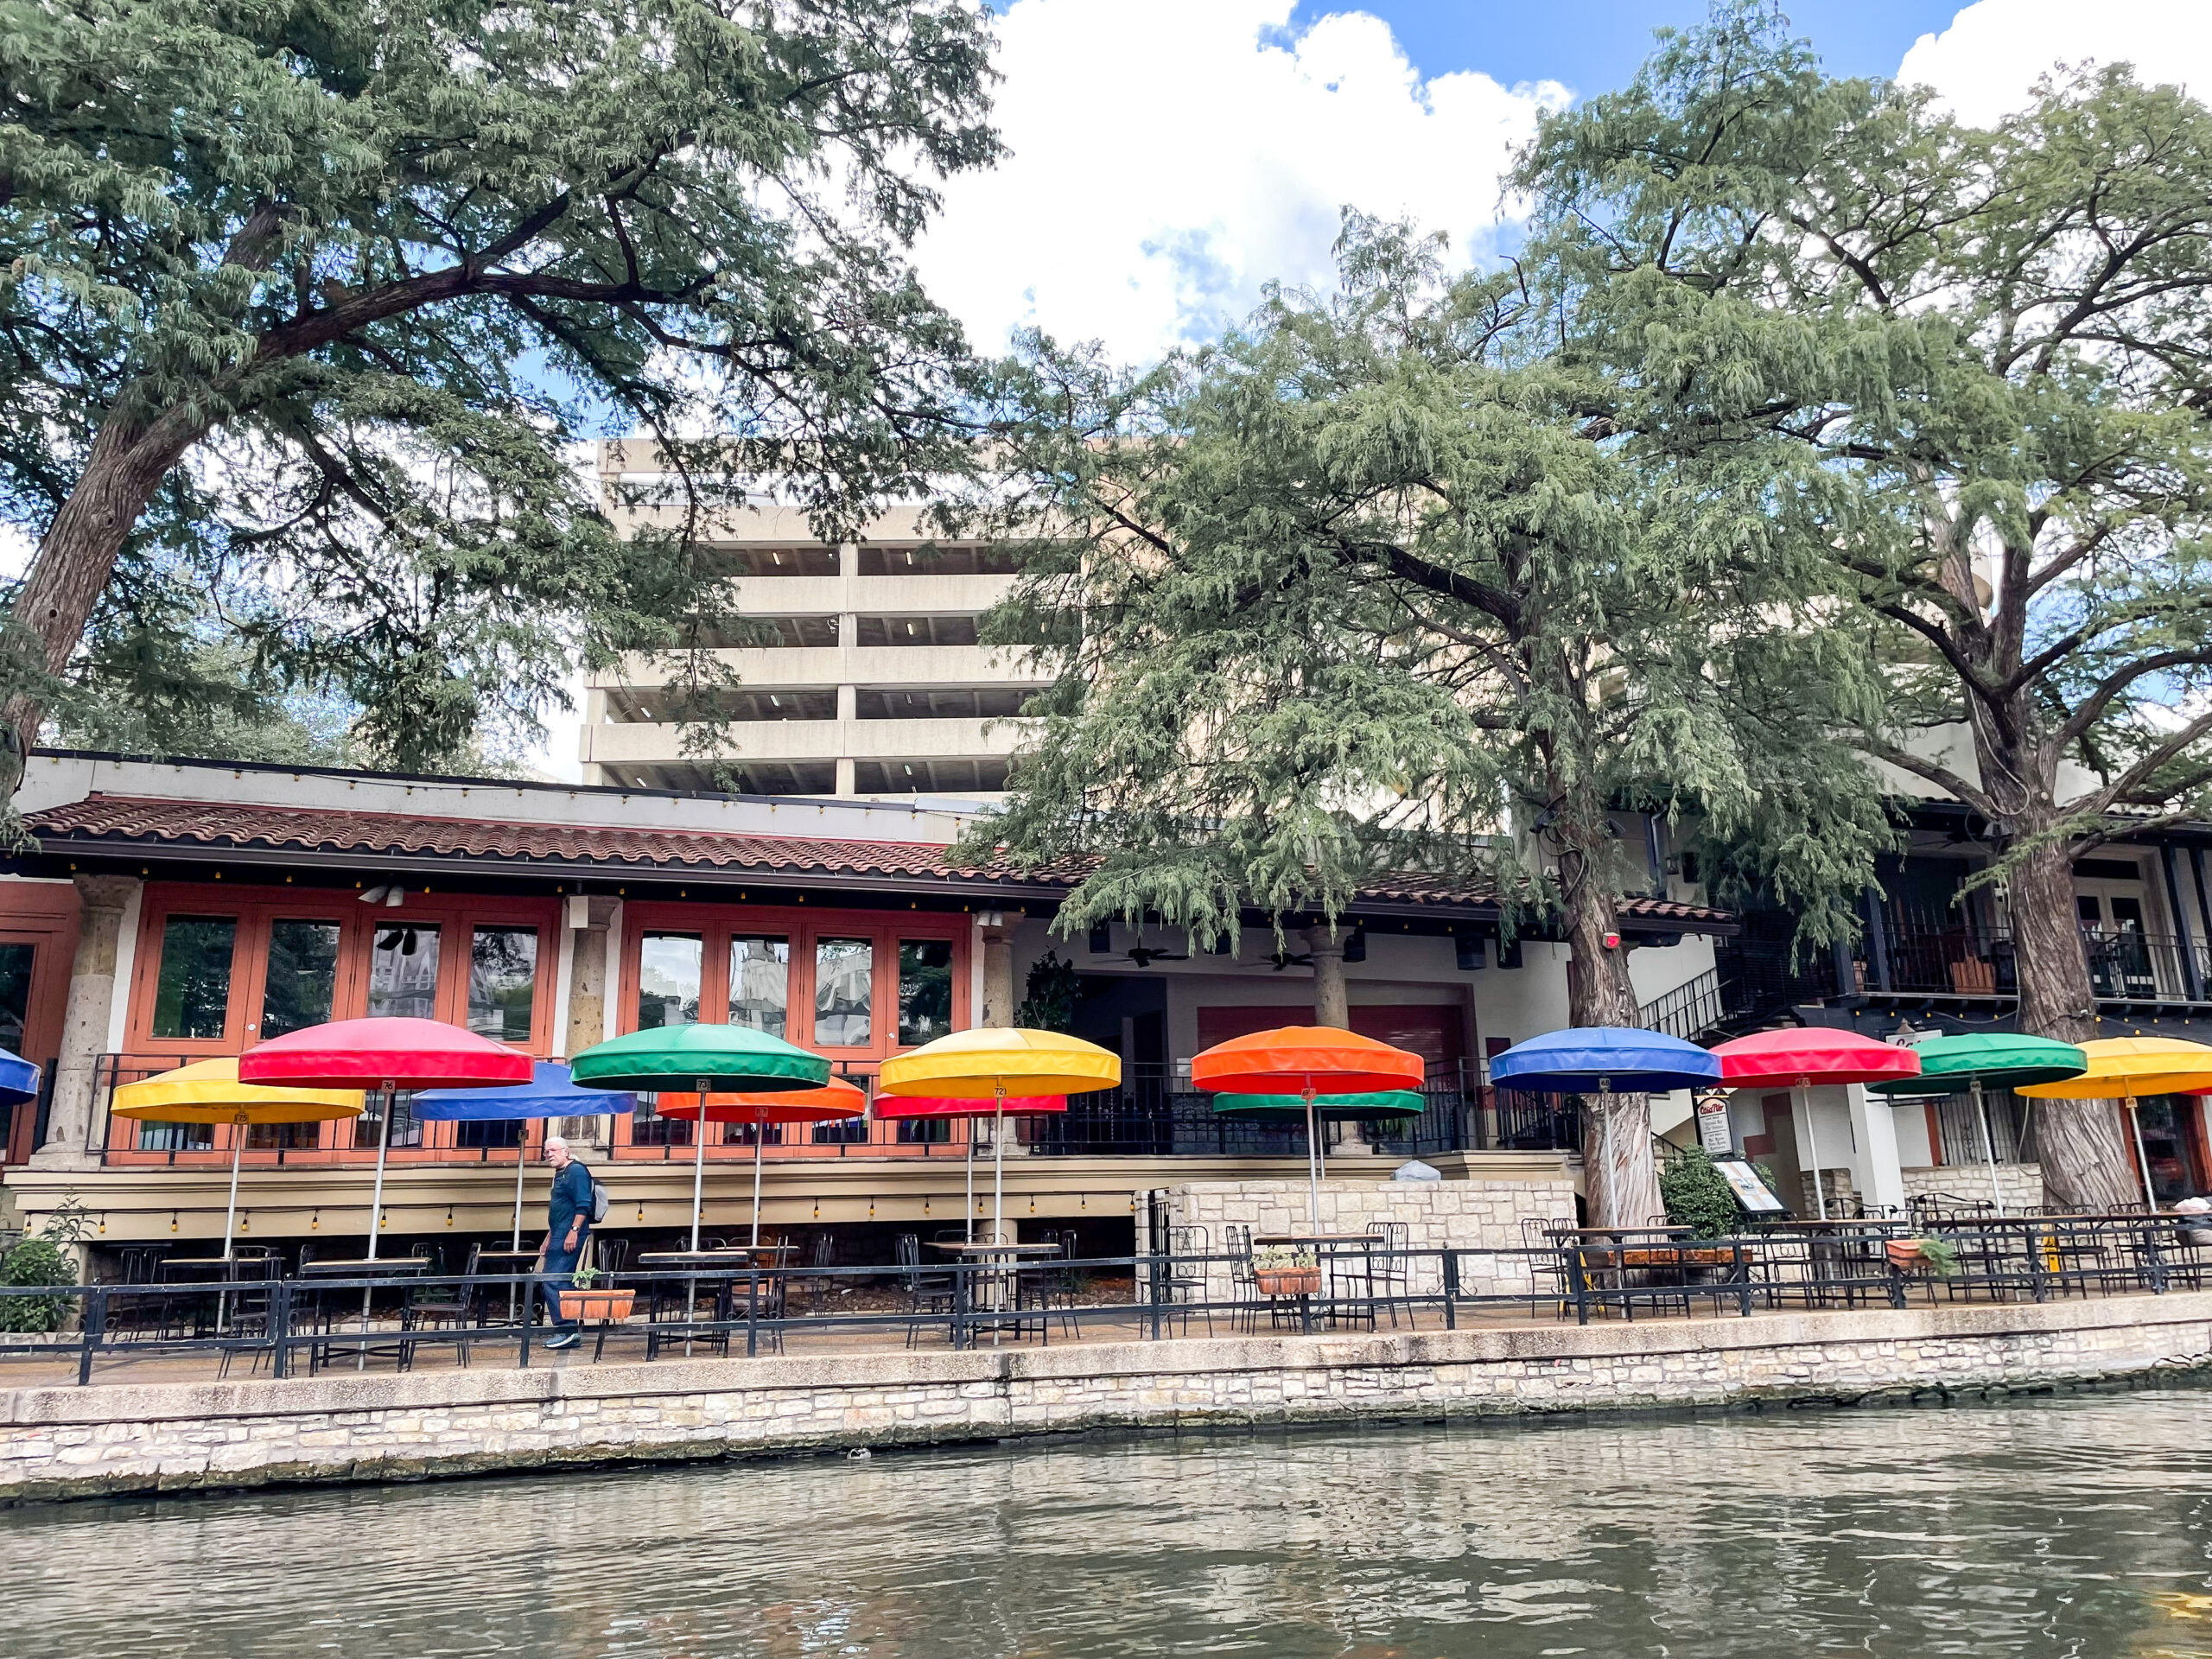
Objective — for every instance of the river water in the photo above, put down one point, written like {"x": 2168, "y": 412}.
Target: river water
{"x": 2074, "y": 1526}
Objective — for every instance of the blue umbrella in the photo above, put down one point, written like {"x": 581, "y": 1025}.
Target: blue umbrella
{"x": 18, "y": 1079}
{"x": 1603, "y": 1059}
{"x": 549, "y": 1093}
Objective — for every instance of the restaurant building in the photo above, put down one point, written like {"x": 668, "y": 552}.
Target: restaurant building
{"x": 179, "y": 909}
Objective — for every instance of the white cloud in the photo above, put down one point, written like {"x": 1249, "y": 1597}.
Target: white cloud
{"x": 1985, "y": 64}
{"x": 1170, "y": 157}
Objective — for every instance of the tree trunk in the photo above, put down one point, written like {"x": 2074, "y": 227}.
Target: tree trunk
{"x": 2082, "y": 1146}
{"x": 1620, "y": 1178}
{"x": 76, "y": 557}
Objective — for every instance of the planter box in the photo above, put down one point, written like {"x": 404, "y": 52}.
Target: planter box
{"x": 595, "y": 1307}
{"x": 1288, "y": 1281}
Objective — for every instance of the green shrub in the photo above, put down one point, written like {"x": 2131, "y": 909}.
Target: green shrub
{"x": 34, "y": 1261}
{"x": 1697, "y": 1198}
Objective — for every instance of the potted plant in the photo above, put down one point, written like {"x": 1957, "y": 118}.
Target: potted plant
{"x": 582, "y": 1301}
{"x": 1933, "y": 1254}
{"x": 1281, "y": 1270}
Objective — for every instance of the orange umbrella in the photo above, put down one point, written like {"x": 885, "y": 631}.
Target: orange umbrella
{"x": 1307, "y": 1061}
{"x": 896, "y": 1106}
{"x": 834, "y": 1099}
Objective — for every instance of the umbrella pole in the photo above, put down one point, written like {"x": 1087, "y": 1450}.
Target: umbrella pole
{"x": 231, "y": 1213}
{"x": 1312, "y": 1168}
{"x": 698, "y": 1166}
{"x": 968, "y": 1219}
{"x": 759, "y": 1137}
{"x": 522, "y": 1159}
{"x": 376, "y": 1208}
{"x": 1988, "y": 1144}
{"x": 1813, "y": 1148}
{"x": 2142, "y": 1157}
{"x": 998, "y": 1167}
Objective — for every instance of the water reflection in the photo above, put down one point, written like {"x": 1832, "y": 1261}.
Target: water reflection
{"x": 2068, "y": 1527}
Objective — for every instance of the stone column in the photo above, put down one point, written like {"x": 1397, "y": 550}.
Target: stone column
{"x": 84, "y": 1023}
{"x": 996, "y": 941}
{"x": 590, "y": 983}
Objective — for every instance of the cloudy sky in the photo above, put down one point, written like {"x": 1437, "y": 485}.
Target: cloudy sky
{"x": 1233, "y": 131}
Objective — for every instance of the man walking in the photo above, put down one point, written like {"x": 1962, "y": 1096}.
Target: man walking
{"x": 567, "y": 1228}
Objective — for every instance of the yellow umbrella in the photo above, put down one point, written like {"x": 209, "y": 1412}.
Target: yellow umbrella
{"x": 2128, "y": 1068}
{"x": 208, "y": 1091}
{"x": 993, "y": 1062}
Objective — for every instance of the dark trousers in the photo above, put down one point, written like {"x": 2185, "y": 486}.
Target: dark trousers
{"x": 560, "y": 1274}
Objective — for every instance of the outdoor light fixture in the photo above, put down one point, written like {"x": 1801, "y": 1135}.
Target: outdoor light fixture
{"x": 371, "y": 895}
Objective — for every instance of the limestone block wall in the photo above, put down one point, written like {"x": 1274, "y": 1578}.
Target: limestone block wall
{"x": 57, "y": 1443}
{"x": 1473, "y": 1214}
{"x": 2021, "y": 1184}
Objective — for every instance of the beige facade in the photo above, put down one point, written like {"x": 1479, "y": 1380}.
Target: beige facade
{"x": 857, "y": 671}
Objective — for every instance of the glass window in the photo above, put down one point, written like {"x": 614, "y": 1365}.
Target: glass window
{"x": 844, "y": 978}
{"x": 301, "y": 978}
{"x": 502, "y": 984}
{"x": 925, "y": 990}
{"x": 489, "y": 1131}
{"x": 649, "y": 1129}
{"x": 175, "y": 1137}
{"x": 403, "y": 972}
{"x": 16, "y": 961}
{"x": 841, "y": 1132}
{"x": 924, "y": 1131}
{"x": 406, "y": 1128}
{"x": 192, "y": 997}
{"x": 760, "y": 983}
{"x": 668, "y": 979}
{"x": 282, "y": 1137}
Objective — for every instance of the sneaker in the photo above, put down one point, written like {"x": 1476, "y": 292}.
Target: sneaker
{"x": 565, "y": 1339}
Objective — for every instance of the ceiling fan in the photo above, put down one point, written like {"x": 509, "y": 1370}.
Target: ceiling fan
{"x": 1145, "y": 954}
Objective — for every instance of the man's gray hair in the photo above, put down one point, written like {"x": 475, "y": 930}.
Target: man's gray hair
{"x": 553, "y": 1140}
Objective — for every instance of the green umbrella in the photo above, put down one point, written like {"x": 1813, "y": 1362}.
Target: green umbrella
{"x": 1984, "y": 1059}
{"x": 1385, "y": 1106}
{"x": 702, "y": 1059}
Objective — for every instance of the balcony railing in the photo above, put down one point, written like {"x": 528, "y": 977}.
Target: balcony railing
{"x": 1968, "y": 960}
{"x": 1154, "y": 1113}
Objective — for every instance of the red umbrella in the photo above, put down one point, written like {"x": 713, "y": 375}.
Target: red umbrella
{"x": 896, "y": 1106}
{"x": 391, "y": 1055}
{"x": 1800, "y": 1057}
{"x": 1307, "y": 1061}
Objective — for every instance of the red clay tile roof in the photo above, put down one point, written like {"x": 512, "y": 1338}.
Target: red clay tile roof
{"x": 119, "y": 822}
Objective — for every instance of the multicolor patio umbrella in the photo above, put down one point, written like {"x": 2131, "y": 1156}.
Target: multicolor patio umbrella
{"x": 998, "y": 1063}
{"x": 836, "y": 1099}
{"x": 19, "y": 1079}
{"x": 1309, "y": 1061}
{"x": 549, "y": 1093}
{"x": 208, "y": 1091}
{"x": 1980, "y": 1059}
{"x": 892, "y": 1108}
{"x": 387, "y": 1053}
{"x": 1603, "y": 1061}
{"x": 2128, "y": 1068}
{"x": 1800, "y": 1057}
{"x": 701, "y": 1058}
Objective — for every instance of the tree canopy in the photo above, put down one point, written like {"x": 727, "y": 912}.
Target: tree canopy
{"x": 1996, "y": 346}
{"x": 302, "y": 303}
{"x": 1373, "y": 584}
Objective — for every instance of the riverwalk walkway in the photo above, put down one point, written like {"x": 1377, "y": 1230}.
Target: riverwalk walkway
{"x": 137, "y": 1431}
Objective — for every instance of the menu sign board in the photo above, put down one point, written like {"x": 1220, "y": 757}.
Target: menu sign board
{"x": 1756, "y": 1197}
{"x": 1712, "y": 1131}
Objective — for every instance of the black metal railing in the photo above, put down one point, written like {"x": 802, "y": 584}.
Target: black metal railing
{"x": 1689, "y": 1010}
{"x": 309, "y": 1323}
{"x": 1956, "y": 958}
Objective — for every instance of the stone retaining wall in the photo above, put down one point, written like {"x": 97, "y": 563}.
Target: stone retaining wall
{"x": 1472, "y": 1215}
{"x": 2020, "y": 1184}
{"x": 121, "y": 1437}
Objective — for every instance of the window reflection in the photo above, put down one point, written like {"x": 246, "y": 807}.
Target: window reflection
{"x": 668, "y": 979}
{"x": 403, "y": 972}
{"x": 844, "y": 980}
{"x": 502, "y": 984}
{"x": 760, "y": 983}
{"x": 192, "y": 997}
{"x": 16, "y": 961}
{"x": 925, "y": 990}
{"x": 300, "y": 981}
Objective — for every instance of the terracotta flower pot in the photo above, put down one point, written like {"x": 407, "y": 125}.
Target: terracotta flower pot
{"x": 597, "y": 1304}
{"x": 1288, "y": 1281}
{"x": 1904, "y": 1254}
